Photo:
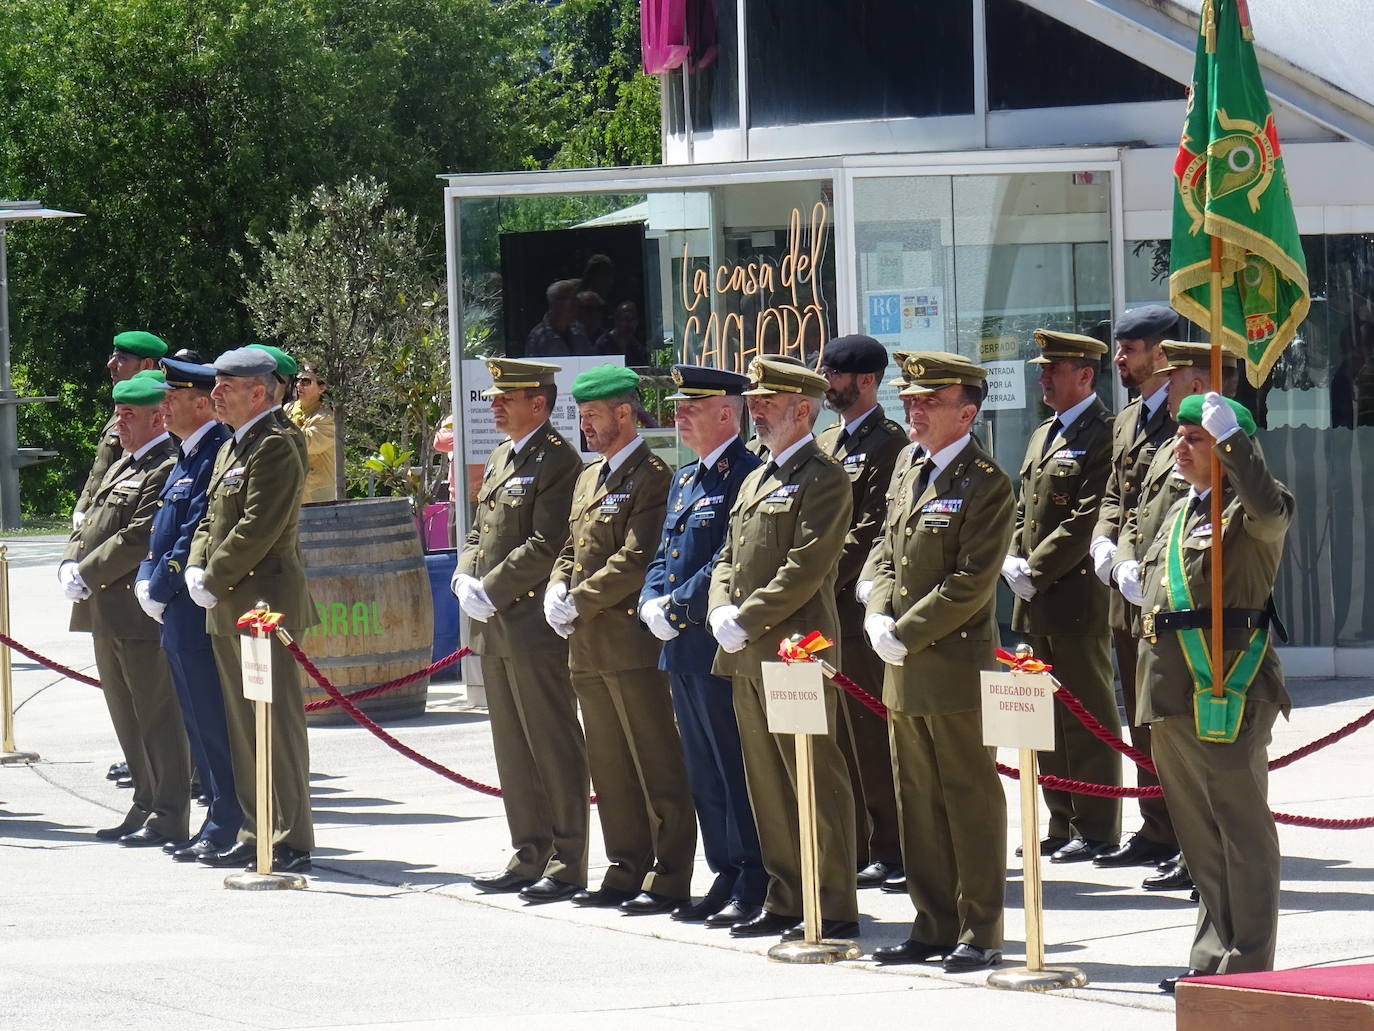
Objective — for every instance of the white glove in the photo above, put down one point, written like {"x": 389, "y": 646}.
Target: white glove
{"x": 73, "y": 587}
{"x": 563, "y": 630}
{"x": 78, "y": 517}
{"x": 881, "y": 631}
{"x": 863, "y": 590}
{"x": 155, "y": 609}
{"x": 1103, "y": 553}
{"x": 726, "y": 629}
{"x": 654, "y": 612}
{"x": 472, "y": 599}
{"x": 558, "y": 607}
{"x": 1127, "y": 577}
{"x": 195, "y": 587}
{"x": 1218, "y": 417}
{"x": 1017, "y": 573}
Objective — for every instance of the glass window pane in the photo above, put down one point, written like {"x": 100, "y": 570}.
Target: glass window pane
{"x": 713, "y": 69}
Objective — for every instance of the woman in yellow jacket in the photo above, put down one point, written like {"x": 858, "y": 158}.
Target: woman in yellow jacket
{"x": 316, "y": 421}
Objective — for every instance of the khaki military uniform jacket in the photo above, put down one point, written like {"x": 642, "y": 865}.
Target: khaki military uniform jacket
{"x": 779, "y": 558}
{"x": 1159, "y": 489}
{"x": 317, "y": 431}
{"x": 1061, "y": 490}
{"x": 613, "y": 534}
{"x": 936, "y": 575}
{"x": 248, "y": 543}
{"x": 867, "y": 457}
{"x": 113, "y": 540}
{"x": 108, "y": 451}
{"x": 1256, "y": 513}
{"x": 1133, "y": 448}
{"x": 518, "y": 529}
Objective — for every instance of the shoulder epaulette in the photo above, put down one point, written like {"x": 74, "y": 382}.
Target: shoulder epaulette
{"x": 893, "y": 427}
{"x": 985, "y": 465}
{"x": 657, "y": 463}
{"x": 829, "y": 458}
{"x": 553, "y": 438}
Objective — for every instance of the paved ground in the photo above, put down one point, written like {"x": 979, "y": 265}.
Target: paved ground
{"x": 391, "y": 934}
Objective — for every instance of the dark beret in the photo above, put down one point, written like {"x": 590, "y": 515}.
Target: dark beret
{"x": 855, "y": 353}
{"x": 1149, "y": 320}
{"x": 245, "y": 361}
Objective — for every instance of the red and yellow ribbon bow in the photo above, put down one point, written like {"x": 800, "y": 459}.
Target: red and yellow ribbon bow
{"x": 260, "y": 622}
{"x": 792, "y": 649}
{"x": 1022, "y": 663}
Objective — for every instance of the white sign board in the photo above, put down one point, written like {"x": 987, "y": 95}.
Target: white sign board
{"x": 1018, "y": 710}
{"x": 1006, "y": 386}
{"x": 257, "y": 669}
{"x": 794, "y": 693}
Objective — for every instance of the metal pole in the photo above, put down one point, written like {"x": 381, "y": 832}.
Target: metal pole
{"x": 9, "y": 431}
{"x": 8, "y": 753}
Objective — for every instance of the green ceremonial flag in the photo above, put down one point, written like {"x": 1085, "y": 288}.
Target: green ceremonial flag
{"x": 1230, "y": 183}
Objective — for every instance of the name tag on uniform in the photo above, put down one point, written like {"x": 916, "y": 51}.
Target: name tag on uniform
{"x": 934, "y": 520}
{"x": 949, "y": 505}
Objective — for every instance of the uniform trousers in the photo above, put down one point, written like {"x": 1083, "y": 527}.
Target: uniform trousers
{"x": 293, "y": 824}
{"x": 1083, "y": 664}
{"x": 954, "y": 817}
{"x": 869, "y": 759}
{"x": 541, "y": 759}
{"x": 643, "y": 801}
{"x": 202, "y": 712}
{"x": 1154, "y": 812}
{"x": 143, "y": 709}
{"x": 715, "y": 769}
{"x": 770, "y": 768}
{"x": 1219, "y": 800}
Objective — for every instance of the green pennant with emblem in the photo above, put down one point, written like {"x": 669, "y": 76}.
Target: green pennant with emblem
{"x": 1230, "y": 183}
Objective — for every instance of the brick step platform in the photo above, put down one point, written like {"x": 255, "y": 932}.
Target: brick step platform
{"x": 1320, "y": 999}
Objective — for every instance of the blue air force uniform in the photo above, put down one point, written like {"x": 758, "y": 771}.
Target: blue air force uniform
{"x": 184, "y": 639}
{"x": 699, "y": 502}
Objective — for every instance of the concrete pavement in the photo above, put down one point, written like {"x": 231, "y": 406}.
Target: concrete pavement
{"x": 390, "y": 932}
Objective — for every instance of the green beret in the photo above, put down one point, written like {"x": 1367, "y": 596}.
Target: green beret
{"x": 286, "y": 365}
{"x": 156, "y": 375}
{"x": 1190, "y": 413}
{"x": 139, "y": 391}
{"x": 604, "y": 381}
{"x": 140, "y": 344}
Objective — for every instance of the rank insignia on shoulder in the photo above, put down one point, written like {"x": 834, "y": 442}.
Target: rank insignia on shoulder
{"x": 657, "y": 463}
{"x": 723, "y": 466}
{"x": 987, "y": 467}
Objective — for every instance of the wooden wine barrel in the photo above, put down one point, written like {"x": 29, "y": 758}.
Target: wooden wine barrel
{"x": 367, "y": 577}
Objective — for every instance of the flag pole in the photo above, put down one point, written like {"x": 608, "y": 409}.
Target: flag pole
{"x": 1216, "y": 331}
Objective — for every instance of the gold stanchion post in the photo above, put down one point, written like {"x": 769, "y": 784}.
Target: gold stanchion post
{"x": 257, "y": 684}
{"x": 8, "y": 753}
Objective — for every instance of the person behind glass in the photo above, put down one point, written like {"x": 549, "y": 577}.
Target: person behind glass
{"x": 643, "y": 800}
{"x": 775, "y": 577}
{"x": 1138, "y": 431}
{"x": 246, "y": 550}
{"x": 161, "y": 591}
{"x": 932, "y": 620}
{"x": 1215, "y": 774}
{"x": 623, "y": 337}
{"x": 317, "y": 421}
{"x": 97, "y": 573}
{"x": 559, "y": 333}
{"x": 673, "y": 606}
{"x": 518, "y": 529}
{"x": 867, "y": 444}
{"x": 1061, "y": 607}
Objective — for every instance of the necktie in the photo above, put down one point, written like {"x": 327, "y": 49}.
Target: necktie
{"x": 1055, "y": 427}
{"x": 1196, "y": 506}
{"x": 923, "y": 477}
{"x": 1144, "y": 418}
{"x": 770, "y": 469}
{"x": 842, "y": 439}
{"x": 603, "y": 475}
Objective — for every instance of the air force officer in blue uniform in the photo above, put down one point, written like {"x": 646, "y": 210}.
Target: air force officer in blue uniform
{"x": 673, "y": 606}
{"x": 161, "y": 590}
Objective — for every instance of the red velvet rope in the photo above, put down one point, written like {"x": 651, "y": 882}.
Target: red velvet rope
{"x": 391, "y": 685}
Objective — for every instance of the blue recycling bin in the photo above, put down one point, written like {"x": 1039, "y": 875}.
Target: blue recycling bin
{"x": 441, "y": 565}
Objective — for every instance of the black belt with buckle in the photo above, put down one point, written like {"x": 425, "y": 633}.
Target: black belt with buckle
{"x": 1155, "y": 623}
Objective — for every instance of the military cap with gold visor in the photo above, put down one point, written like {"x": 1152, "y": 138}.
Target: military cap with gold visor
{"x": 768, "y": 375}
{"x": 511, "y": 374}
{"x": 924, "y": 372}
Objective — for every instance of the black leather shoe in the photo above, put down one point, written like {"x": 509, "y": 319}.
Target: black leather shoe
{"x": 170, "y": 847}
{"x": 602, "y": 898}
{"x": 124, "y": 782}
{"x": 650, "y": 903}
{"x": 200, "y": 847}
{"x": 1174, "y": 877}
{"x": 1170, "y": 983}
{"x": 1048, "y": 847}
{"x": 912, "y": 951}
{"x": 144, "y": 837}
{"x": 829, "y": 929}
{"x": 873, "y": 875}
{"x": 116, "y": 771}
{"x": 1080, "y": 850}
{"x": 895, "y": 885}
{"x": 970, "y": 957}
{"x": 1138, "y": 851}
{"x": 202, "y": 800}
{"x": 548, "y": 889}
{"x": 764, "y": 925}
{"x": 696, "y": 912}
{"x": 734, "y": 912}
{"x": 285, "y": 859}
{"x": 237, "y": 854}
{"x": 505, "y": 882}
{"x": 115, "y": 833}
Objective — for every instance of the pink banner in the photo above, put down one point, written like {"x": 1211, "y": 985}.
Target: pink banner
{"x": 663, "y": 34}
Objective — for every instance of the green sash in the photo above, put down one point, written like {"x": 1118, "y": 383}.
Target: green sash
{"x": 1217, "y": 719}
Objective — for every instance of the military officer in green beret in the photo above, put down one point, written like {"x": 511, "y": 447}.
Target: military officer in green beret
{"x": 644, "y": 804}
{"x": 866, "y": 443}
{"x": 97, "y": 572}
{"x": 1212, "y": 753}
{"x": 518, "y": 530}
{"x": 1138, "y": 431}
{"x": 775, "y": 577}
{"x": 1061, "y": 606}
{"x": 931, "y": 618}
{"x": 134, "y": 351}
{"x": 246, "y": 550}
